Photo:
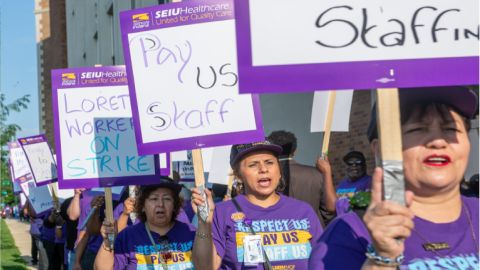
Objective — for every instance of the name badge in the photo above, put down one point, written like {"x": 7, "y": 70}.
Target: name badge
{"x": 252, "y": 250}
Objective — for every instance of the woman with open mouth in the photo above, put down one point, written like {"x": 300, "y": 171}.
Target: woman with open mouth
{"x": 158, "y": 241}
{"x": 260, "y": 229}
{"x": 438, "y": 227}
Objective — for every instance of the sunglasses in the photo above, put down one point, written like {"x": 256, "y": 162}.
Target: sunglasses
{"x": 355, "y": 162}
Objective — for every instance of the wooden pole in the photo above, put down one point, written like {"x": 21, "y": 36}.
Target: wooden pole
{"x": 328, "y": 122}
{"x": 54, "y": 191}
{"x": 200, "y": 181}
{"x": 390, "y": 140}
{"x": 109, "y": 213}
{"x": 198, "y": 167}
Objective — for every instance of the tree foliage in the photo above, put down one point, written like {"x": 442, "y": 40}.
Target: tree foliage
{"x": 8, "y": 133}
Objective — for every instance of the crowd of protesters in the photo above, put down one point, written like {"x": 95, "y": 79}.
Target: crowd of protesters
{"x": 285, "y": 215}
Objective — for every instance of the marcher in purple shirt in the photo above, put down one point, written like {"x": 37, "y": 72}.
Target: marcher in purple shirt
{"x": 357, "y": 180}
{"x": 158, "y": 241}
{"x": 438, "y": 228}
{"x": 265, "y": 230}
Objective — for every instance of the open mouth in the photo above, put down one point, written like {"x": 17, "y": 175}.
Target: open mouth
{"x": 437, "y": 160}
{"x": 264, "y": 182}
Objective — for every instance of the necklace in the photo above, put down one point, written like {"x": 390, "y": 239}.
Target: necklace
{"x": 165, "y": 248}
{"x": 433, "y": 247}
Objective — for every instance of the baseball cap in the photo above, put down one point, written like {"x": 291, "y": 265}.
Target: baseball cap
{"x": 461, "y": 98}
{"x": 165, "y": 182}
{"x": 356, "y": 154}
{"x": 238, "y": 151}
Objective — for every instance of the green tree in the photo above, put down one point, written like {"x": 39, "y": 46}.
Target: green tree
{"x": 8, "y": 133}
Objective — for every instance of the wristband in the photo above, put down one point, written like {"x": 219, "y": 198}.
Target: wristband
{"x": 202, "y": 235}
{"x": 381, "y": 260}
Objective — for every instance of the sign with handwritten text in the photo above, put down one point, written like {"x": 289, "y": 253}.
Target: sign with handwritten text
{"x": 19, "y": 163}
{"x": 383, "y": 44}
{"x": 40, "y": 159}
{"x": 182, "y": 67}
{"x": 94, "y": 135}
{"x": 40, "y": 197}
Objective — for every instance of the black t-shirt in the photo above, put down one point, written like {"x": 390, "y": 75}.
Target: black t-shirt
{"x": 71, "y": 226}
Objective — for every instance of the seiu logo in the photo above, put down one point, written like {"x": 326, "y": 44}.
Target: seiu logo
{"x": 91, "y": 75}
{"x": 141, "y": 17}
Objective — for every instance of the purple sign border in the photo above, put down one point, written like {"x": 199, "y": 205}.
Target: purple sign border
{"x": 185, "y": 143}
{"x": 345, "y": 75}
{"x": 37, "y": 139}
{"x": 91, "y": 182}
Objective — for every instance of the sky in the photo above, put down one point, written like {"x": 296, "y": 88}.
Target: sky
{"x": 18, "y": 62}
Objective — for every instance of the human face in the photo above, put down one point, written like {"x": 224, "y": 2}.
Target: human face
{"x": 355, "y": 168}
{"x": 260, "y": 173}
{"x": 435, "y": 151}
{"x": 158, "y": 207}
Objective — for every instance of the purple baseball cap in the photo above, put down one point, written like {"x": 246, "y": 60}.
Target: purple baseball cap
{"x": 461, "y": 98}
{"x": 165, "y": 182}
{"x": 238, "y": 151}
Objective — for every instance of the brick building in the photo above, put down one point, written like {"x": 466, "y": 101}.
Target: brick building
{"x": 52, "y": 54}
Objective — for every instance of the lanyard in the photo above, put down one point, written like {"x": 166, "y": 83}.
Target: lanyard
{"x": 160, "y": 258}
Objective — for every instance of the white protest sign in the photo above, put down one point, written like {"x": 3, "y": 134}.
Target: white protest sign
{"x": 40, "y": 158}
{"x": 23, "y": 199}
{"x": 39, "y": 196}
{"x": 116, "y": 191}
{"x": 179, "y": 156}
{"x": 18, "y": 161}
{"x": 370, "y": 30}
{"x": 184, "y": 168}
{"x": 94, "y": 131}
{"x": 220, "y": 165}
{"x": 183, "y": 78}
{"x": 341, "y": 111}
{"x": 63, "y": 194}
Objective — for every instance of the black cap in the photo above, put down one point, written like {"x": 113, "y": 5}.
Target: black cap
{"x": 462, "y": 99}
{"x": 240, "y": 150}
{"x": 165, "y": 182}
{"x": 356, "y": 154}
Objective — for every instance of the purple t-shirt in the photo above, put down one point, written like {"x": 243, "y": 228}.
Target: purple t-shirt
{"x": 36, "y": 226}
{"x": 289, "y": 229}
{"x": 134, "y": 250}
{"x": 346, "y": 189}
{"x": 347, "y": 236}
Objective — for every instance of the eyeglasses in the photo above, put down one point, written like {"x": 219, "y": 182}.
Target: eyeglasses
{"x": 355, "y": 162}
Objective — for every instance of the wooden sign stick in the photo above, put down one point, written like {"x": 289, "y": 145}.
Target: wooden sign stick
{"x": 390, "y": 139}
{"x": 56, "y": 203}
{"x": 109, "y": 212}
{"x": 200, "y": 181}
{"x": 328, "y": 122}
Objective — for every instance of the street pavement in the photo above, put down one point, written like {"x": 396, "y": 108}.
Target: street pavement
{"x": 21, "y": 234}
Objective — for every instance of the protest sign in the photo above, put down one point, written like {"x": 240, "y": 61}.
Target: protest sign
{"x": 219, "y": 171}
{"x": 94, "y": 135}
{"x": 182, "y": 67}
{"x": 18, "y": 162}
{"x": 382, "y": 44}
{"x": 16, "y": 186}
{"x": 39, "y": 196}
{"x": 40, "y": 159}
{"x": 23, "y": 200}
{"x": 341, "y": 111}
{"x": 184, "y": 168}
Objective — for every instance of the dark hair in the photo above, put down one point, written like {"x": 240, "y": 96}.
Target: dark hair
{"x": 285, "y": 139}
{"x": 142, "y": 194}
{"x": 281, "y": 183}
